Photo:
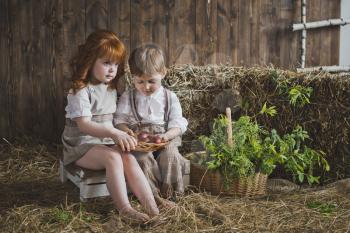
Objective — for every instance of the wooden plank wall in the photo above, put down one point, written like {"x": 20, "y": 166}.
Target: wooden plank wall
{"x": 38, "y": 37}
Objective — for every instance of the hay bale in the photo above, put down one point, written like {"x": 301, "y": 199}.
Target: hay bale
{"x": 326, "y": 118}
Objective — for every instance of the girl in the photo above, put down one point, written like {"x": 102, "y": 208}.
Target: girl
{"x": 89, "y": 138}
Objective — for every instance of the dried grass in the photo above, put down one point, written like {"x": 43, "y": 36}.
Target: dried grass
{"x": 326, "y": 118}
{"x": 33, "y": 200}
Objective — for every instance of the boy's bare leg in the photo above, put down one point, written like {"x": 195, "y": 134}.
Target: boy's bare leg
{"x": 103, "y": 157}
{"x": 138, "y": 184}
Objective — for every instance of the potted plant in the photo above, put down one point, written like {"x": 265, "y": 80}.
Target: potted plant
{"x": 242, "y": 165}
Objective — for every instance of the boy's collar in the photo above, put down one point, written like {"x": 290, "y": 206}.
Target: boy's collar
{"x": 155, "y": 94}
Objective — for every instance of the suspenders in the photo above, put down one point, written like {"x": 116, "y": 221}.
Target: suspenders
{"x": 167, "y": 101}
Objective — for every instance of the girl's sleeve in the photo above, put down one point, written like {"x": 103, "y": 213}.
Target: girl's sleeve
{"x": 78, "y": 105}
{"x": 176, "y": 119}
{"x": 122, "y": 115}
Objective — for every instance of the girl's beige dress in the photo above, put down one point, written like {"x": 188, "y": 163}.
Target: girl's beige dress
{"x": 95, "y": 101}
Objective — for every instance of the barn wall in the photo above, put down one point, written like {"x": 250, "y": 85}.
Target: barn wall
{"x": 38, "y": 37}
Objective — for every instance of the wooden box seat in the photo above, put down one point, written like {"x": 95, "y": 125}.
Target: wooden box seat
{"x": 92, "y": 183}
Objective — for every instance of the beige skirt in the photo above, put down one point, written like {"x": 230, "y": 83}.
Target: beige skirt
{"x": 76, "y": 143}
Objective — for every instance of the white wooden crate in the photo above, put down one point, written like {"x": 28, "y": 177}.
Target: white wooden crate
{"x": 93, "y": 183}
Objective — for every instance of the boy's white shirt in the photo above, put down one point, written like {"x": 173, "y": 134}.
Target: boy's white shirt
{"x": 151, "y": 109}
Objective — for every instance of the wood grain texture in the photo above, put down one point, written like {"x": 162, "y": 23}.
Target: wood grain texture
{"x": 21, "y": 79}
{"x": 6, "y": 52}
{"x": 40, "y": 37}
{"x": 182, "y": 27}
{"x": 96, "y": 15}
{"x": 334, "y": 33}
{"x": 119, "y": 20}
{"x": 142, "y": 22}
{"x": 313, "y": 39}
{"x": 206, "y": 31}
{"x": 224, "y": 47}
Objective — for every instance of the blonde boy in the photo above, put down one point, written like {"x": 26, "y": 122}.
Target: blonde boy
{"x": 152, "y": 108}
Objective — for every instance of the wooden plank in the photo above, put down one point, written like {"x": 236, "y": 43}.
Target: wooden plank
{"x": 275, "y": 34}
{"x": 334, "y": 33}
{"x": 5, "y": 44}
{"x": 73, "y": 35}
{"x": 57, "y": 70}
{"x": 224, "y": 31}
{"x": 265, "y": 30}
{"x": 182, "y": 32}
{"x": 289, "y": 40}
{"x": 324, "y": 51}
{"x": 90, "y": 191}
{"x": 206, "y": 31}
{"x": 119, "y": 20}
{"x": 96, "y": 16}
{"x": 313, "y": 40}
{"x": 234, "y": 32}
{"x": 21, "y": 84}
{"x": 142, "y": 13}
{"x": 254, "y": 11}
{"x": 43, "y": 82}
{"x": 244, "y": 33}
{"x": 294, "y": 39}
{"x": 160, "y": 26}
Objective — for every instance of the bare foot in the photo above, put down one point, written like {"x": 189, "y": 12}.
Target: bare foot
{"x": 151, "y": 208}
{"x": 164, "y": 203}
{"x": 133, "y": 216}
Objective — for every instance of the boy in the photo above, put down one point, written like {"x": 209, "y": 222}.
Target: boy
{"x": 154, "y": 109}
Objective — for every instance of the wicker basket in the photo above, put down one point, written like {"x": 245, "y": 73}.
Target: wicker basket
{"x": 150, "y": 147}
{"x": 212, "y": 182}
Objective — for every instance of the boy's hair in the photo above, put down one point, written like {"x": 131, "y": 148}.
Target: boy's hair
{"x": 148, "y": 60}
{"x": 99, "y": 44}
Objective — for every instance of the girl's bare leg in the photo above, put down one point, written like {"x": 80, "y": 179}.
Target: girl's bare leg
{"x": 103, "y": 157}
{"x": 139, "y": 184}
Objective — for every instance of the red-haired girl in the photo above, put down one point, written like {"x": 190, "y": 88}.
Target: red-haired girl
{"x": 90, "y": 140}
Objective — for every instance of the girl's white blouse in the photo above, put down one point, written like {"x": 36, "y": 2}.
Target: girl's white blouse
{"x": 151, "y": 109}
{"x": 102, "y": 100}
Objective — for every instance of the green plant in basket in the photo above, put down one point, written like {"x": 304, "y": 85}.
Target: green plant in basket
{"x": 232, "y": 161}
{"x": 255, "y": 149}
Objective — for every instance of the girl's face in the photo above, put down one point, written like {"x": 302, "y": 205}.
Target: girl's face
{"x": 148, "y": 85}
{"x": 104, "y": 70}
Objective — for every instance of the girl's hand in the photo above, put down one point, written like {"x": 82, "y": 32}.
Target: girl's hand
{"x": 125, "y": 141}
{"x": 125, "y": 128}
{"x": 130, "y": 132}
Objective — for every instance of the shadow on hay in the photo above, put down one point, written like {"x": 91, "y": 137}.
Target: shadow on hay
{"x": 44, "y": 193}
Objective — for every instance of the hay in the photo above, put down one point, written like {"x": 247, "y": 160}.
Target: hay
{"x": 326, "y": 118}
{"x": 33, "y": 200}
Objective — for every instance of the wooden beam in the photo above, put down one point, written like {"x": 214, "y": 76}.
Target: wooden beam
{"x": 331, "y": 69}
{"x": 322, "y": 23}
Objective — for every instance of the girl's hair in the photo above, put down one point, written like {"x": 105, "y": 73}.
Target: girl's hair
{"x": 147, "y": 59}
{"x": 99, "y": 44}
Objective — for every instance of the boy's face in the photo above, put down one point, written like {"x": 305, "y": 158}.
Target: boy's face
{"x": 104, "y": 70}
{"x": 148, "y": 85}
